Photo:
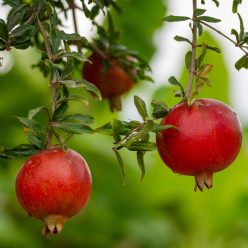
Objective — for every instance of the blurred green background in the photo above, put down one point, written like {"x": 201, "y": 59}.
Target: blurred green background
{"x": 163, "y": 210}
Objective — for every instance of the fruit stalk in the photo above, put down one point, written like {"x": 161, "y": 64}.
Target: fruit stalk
{"x": 193, "y": 57}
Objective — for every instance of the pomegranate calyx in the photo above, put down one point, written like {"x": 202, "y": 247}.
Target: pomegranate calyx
{"x": 203, "y": 179}
{"x": 115, "y": 103}
{"x": 53, "y": 224}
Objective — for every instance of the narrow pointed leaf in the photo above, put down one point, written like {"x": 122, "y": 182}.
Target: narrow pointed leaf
{"x": 180, "y": 38}
{"x": 208, "y": 19}
{"x": 20, "y": 151}
{"x": 87, "y": 119}
{"x": 141, "y": 107}
{"x": 140, "y": 159}
{"x": 172, "y": 18}
{"x": 198, "y": 12}
{"x": 121, "y": 163}
{"x": 73, "y": 128}
{"x": 3, "y": 31}
{"x": 35, "y": 111}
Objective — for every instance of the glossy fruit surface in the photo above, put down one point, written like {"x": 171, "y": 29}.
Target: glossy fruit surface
{"x": 113, "y": 83}
{"x": 208, "y": 139}
{"x": 54, "y": 185}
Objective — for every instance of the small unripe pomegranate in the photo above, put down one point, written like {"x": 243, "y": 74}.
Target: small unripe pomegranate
{"x": 53, "y": 185}
{"x": 208, "y": 139}
{"x": 112, "y": 84}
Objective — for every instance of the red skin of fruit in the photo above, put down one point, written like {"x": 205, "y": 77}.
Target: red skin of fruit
{"x": 114, "y": 82}
{"x": 54, "y": 185}
{"x": 208, "y": 140}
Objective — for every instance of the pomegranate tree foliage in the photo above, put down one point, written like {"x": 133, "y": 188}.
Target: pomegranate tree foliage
{"x": 37, "y": 24}
{"x": 118, "y": 211}
{"x": 28, "y": 22}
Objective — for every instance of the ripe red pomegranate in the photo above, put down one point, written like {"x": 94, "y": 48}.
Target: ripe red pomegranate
{"x": 53, "y": 186}
{"x": 208, "y": 139}
{"x": 112, "y": 84}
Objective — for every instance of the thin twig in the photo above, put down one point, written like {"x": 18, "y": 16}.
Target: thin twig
{"x": 32, "y": 16}
{"x": 222, "y": 34}
{"x": 193, "y": 56}
{"x": 73, "y": 9}
{"x": 97, "y": 50}
{"x": 127, "y": 137}
{"x": 52, "y": 83}
{"x": 46, "y": 40}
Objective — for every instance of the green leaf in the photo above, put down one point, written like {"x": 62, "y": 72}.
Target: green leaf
{"x": 142, "y": 146}
{"x": 78, "y": 98}
{"x": 87, "y": 119}
{"x": 140, "y": 159}
{"x": 22, "y": 30}
{"x": 141, "y": 107}
{"x": 235, "y": 5}
{"x": 3, "y": 31}
{"x": 200, "y": 28}
{"x": 35, "y": 111}
{"x": 75, "y": 55}
{"x": 117, "y": 130}
{"x": 121, "y": 163}
{"x": 29, "y": 123}
{"x": 36, "y": 137}
{"x": 187, "y": 59}
{"x": 202, "y": 55}
{"x": 172, "y": 18}
{"x": 241, "y": 23}
{"x": 73, "y": 128}
{"x": 3, "y": 45}
{"x": 199, "y": 12}
{"x": 160, "y": 109}
{"x": 242, "y": 63}
{"x": 60, "y": 111}
{"x": 106, "y": 129}
{"x": 69, "y": 68}
{"x": 236, "y": 34}
{"x": 71, "y": 37}
{"x": 216, "y": 2}
{"x": 135, "y": 136}
{"x": 23, "y": 45}
{"x": 172, "y": 80}
{"x": 82, "y": 83}
{"x": 55, "y": 41}
{"x": 159, "y": 128}
{"x": 215, "y": 49}
{"x": 180, "y": 38}
{"x": 20, "y": 151}
{"x": 208, "y": 19}
{"x": 16, "y": 16}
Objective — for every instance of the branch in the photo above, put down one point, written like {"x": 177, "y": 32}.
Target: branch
{"x": 46, "y": 40}
{"x": 193, "y": 57}
{"x": 225, "y": 36}
{"x": 73, "y": 8}
{"x": 53, "y": 82}
{"x": 97, "y": 50}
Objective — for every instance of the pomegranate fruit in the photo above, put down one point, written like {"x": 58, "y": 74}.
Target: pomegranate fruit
{"x": 112, "y": 83}
{"x": 53, "y": 185}
{"x": 208, "y": 139}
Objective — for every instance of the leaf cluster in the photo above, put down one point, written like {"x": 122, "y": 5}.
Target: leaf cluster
{"x": 135, "y": 135}
{"x": 129, "y": 60}
{"x": 201, "y": 70}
